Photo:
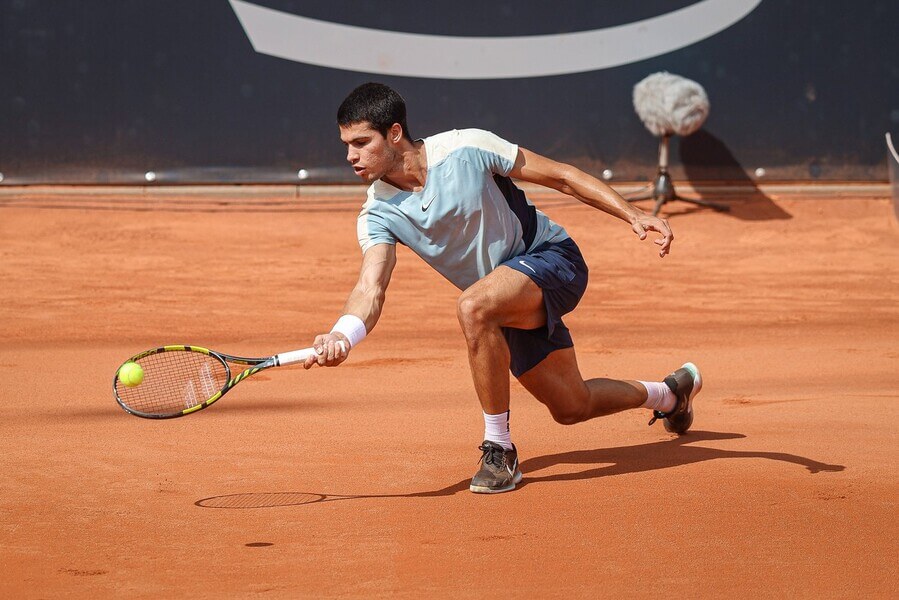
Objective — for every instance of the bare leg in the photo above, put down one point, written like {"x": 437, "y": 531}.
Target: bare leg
{"x": 507, "y": 298}
{"x": 557, "y": 383}
{"x": 504, "y": 298}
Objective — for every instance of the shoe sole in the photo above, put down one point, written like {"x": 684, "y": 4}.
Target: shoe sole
{"x": 480, "y": 489}
{"x": 697, "y": 386}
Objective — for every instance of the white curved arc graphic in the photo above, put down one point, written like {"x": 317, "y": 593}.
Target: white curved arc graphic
{"x": 352, "y": 48}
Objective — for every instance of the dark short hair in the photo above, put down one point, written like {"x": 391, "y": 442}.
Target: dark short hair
{"x": 374, "y": 103}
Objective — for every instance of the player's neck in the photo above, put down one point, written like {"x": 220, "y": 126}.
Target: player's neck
{"x": 410, "y": 172}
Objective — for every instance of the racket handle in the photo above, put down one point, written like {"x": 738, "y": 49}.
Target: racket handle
{"x": 288, "y": 358}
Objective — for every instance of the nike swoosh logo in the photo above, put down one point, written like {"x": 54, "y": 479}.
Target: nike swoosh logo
{"x": 524, "y": 264}
{"x": 324, "y": 43}
{"x": 427, "y": 203}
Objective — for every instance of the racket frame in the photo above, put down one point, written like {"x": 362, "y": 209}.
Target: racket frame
{"x": 255, "y": 365}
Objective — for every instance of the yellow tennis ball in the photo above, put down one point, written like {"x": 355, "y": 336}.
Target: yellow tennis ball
{"x": 131, "y": 374}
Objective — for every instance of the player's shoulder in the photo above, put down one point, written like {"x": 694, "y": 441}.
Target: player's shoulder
{"x": 443, "y": 144}
{"x": 381, "y": 198}
{"x": 372, "y": 194}
{"x": 456, "y": 138}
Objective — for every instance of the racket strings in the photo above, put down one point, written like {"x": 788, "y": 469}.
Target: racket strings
{"x": 174, "y": 381}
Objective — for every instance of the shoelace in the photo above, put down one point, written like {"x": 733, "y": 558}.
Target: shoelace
{"x": 489, "y": 455}
{"x": 656, "y": 415}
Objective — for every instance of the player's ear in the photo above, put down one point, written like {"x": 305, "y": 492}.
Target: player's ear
{"x": 395, "y": 133}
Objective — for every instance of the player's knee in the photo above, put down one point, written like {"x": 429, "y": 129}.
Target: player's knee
{"x": 472, "y": 313}
{"x": 567, "y": 406}
{"x": 567, "y": 414}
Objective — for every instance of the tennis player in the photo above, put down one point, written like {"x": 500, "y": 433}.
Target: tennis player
{"x": 450, "y": 198}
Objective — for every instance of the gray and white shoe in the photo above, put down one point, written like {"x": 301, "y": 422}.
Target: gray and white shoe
{"x": 685, "y": 383}
{"x": 499, "y": 470}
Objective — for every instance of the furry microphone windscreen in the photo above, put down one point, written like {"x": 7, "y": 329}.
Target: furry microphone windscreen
{"x": 670, "y": 104}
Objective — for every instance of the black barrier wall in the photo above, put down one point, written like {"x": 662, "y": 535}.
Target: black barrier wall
{"x": 96, "y": 91}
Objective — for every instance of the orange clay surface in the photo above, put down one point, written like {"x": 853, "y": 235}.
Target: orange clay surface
{"x": 353, "y": 482}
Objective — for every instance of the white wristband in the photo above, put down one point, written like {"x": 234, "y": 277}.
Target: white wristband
{"x": 352, "y": 327}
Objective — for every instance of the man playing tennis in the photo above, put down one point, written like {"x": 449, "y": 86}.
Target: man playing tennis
{"x": 451, "y": 200}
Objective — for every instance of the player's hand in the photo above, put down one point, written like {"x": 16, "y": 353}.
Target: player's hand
{"x": 331, "y": 350}
{"x": 646, "y": 223}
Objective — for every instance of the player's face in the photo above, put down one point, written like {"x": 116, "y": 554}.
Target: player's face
{"x": 367, "y": 151}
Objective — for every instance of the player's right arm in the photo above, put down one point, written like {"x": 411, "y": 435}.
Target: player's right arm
{"x": 364, "y": 302}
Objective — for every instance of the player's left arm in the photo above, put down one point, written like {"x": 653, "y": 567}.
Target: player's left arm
{"x": 534, "y": 168}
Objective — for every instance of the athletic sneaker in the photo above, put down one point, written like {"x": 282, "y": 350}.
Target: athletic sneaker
{"x": 685, "y": 383}
{"x": 499, "y": 469}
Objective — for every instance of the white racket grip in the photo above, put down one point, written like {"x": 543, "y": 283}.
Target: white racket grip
{"x": 295, "y": 356}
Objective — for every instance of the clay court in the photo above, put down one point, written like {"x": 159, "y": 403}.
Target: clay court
{"x": 353, "y": 482}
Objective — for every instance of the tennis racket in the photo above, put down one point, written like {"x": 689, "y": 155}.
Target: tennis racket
{"x": 180, "y": 380}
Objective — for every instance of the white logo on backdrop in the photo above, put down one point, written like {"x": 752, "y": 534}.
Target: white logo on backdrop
{"x": 352, "y": 48}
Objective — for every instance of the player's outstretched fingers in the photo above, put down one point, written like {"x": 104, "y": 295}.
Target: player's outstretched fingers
{"x": 665, "y": 242}
{"x": 639, "y": 230}
{"x": 646, "y": 223}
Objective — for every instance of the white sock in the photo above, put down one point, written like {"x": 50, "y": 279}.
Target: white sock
{"x": 496, "y": 429}
{"x": 660, "y": 397}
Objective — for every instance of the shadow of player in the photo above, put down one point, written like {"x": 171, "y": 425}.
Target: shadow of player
{"x": 650, "y": 457}
{"x": 639, "y": 458}
{"x": 604, "y": 462}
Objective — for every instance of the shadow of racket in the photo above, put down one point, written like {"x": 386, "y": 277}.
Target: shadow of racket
{"x": 275, "y": 499}
{"x": 268, "y": 500}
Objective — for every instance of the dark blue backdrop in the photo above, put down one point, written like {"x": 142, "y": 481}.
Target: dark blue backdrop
{"x": 98, "y": 91}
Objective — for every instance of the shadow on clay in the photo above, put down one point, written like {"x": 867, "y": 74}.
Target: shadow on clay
{"x": 706, "y": 157}
{"x": 606, "y": 462}
{"x": 650, "y": 457}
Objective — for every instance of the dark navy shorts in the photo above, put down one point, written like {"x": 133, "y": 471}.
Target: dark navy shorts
{"x": 560, "y": 271}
